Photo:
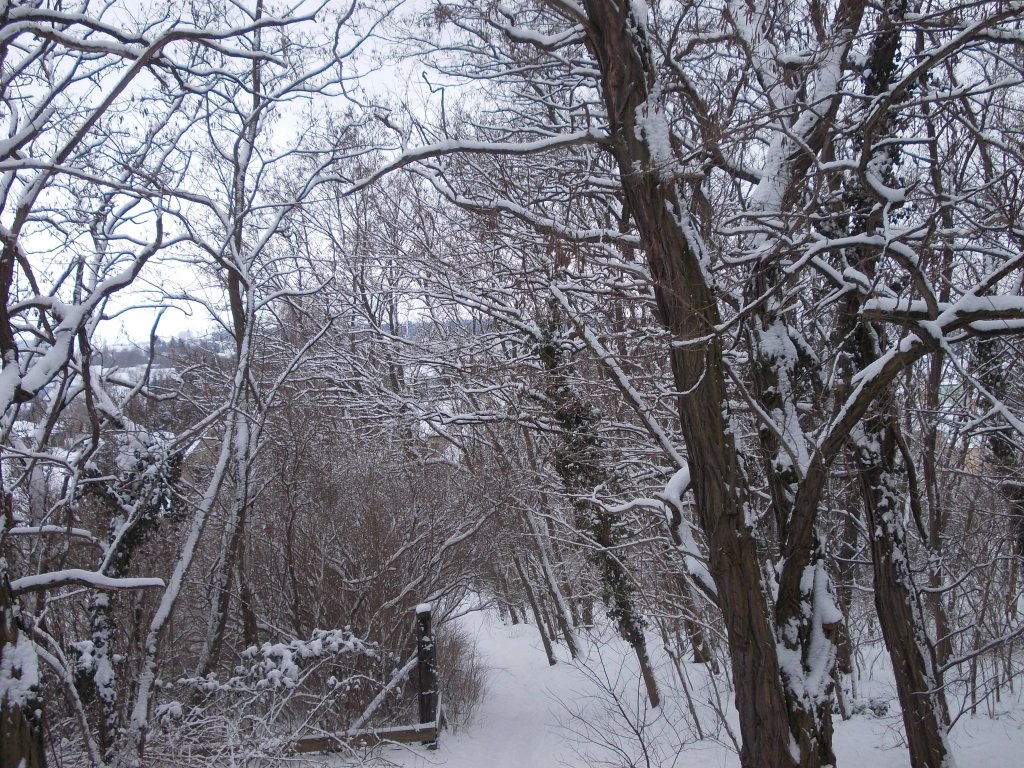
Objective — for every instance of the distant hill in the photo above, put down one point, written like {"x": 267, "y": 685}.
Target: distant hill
{"x": 165, "y": 351}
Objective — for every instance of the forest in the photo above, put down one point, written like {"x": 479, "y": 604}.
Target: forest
{"x": 692, "y": 322}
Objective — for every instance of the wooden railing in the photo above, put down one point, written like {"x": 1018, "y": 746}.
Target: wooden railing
{"x": 430, "y": 711}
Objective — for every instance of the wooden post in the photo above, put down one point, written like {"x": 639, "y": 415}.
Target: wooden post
{"x": 426, "y": 654}
{"x": 431, "y": 711}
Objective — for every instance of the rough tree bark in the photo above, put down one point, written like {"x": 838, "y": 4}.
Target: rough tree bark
{"x": 21, "y": 732}
{"x": 918, "y": 683}
{"x": 875, "y": 444}
{"x": 688, "y": 308}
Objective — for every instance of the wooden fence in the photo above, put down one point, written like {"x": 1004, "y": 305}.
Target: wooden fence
{"x": 431, "y": 714}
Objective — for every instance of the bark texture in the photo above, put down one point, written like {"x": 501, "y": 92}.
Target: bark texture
{"x": 21, "y": 733}
{"x": 688, "y": 308}
{"x": 900, "y": 613}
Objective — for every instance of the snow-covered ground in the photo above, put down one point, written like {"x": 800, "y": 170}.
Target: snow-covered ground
{"x": 536, "y": 716}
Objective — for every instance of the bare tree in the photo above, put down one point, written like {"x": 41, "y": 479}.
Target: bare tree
{"x": 113, "y": 114}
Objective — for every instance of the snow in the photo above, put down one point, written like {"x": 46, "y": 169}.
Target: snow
{"x": 504, "y": 718}
{"x": 81, "y": 577}
{"x": 652, "y": 127}
{"x": 453, "y": 146}
{"x": 548, "y": 717}
{"x": 19, "y": 672}
{"x": 517, "y": 723}
{"x": 524, "y": 35}
{"x": 677, "y": 486}
{"x": 640, "y": 12}
{"x": 56, "y": 530}
{"x": 821, "y": 653}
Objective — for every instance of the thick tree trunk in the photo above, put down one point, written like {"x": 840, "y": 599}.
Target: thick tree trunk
{"x": 688, "y": 309}
{"x": 21, "y": 733}
{"x": 803, "y": 605}
{"x": 918, "y": 683}
{"x": 898, "y": 603}
{"x": 100, "y": 674}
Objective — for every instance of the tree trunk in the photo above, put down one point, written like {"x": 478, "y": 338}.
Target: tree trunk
{"x": 506, "y": 598}
{"x": 587, "y": 615}
{"x": 100, "y": 674}
{"x": 687, "y": 307}
{"x": 621, "y": 604}
{"x": 699, "y": 645}
{"x": 549, "y": 622}
{"x": 579, "y": 462}
{"x": 847, "y": 550}
{"x": 918, "y": 683}
{"x": 21, "y": 733}
{"x": 224, "y": 571}
{"x": 643, "y": 658}
{"x": 564, "y": 583}
{"x": 936, "y": 532}
{"x": 536, "y": 611}
{"x": 561, "y": 609}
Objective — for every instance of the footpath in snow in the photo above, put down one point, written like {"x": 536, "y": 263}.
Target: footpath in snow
{"x": 516, "y": 723}
{"x": 536, "y": 716}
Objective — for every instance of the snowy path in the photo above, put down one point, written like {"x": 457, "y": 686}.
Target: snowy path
{"x": 520, "y": 722}
{"x": 516, "y": 725}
